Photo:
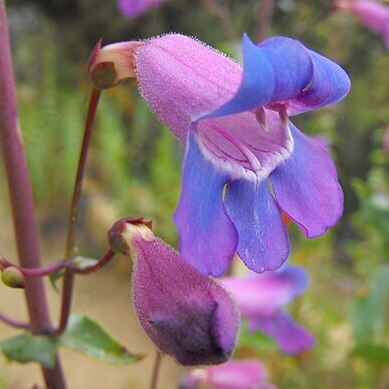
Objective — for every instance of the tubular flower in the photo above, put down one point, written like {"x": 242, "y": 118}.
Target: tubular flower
{"x": 134, "y": 8}
{"x": 261, "y": 299}
{"x": 240, "y": 374}
{"x": 244, "y": 160}
{"x": 186, "y": 314}
{"x": 371, "y": 13}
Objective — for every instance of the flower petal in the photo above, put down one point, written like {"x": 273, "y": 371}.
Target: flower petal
{"x": 262, "y": 295}
{"x": 182, "y": 79}
{"x": 208, "y": 238}
{"x": 276, "y": 70}
{"x": 291, "y": 337}
{"x": 263, "y": 240}
{"x": 329, "y": 84}
{"x": 257, "y": 85}
{"x": 307, "y": 188}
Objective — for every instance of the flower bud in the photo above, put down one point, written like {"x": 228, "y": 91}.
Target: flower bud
{"x": 112, "y": 64}
{"x": 12, "y": 277}
{"x": 187, "y": 315}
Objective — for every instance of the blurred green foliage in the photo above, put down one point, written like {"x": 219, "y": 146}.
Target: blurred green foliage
{"x": 135, "y": 163}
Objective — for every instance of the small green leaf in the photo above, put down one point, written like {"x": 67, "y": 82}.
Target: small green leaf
{"x": 86, "y": 336}
{"x": 55, "y": 276}
{"x": 373, "y": 353}
{"x": 28, "y": 348}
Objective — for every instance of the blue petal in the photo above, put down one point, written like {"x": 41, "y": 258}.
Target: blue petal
{"x": 291, "y": 337}
{"x": 276, "y": 70}
{"x": 329, "y": 85}
{"x": 257, "y": 85}
{"x": 207, "y": 236}
{"x": 263, "y": 240}
{"x": 306, "y": 186}
{"x": 294, "y": 276}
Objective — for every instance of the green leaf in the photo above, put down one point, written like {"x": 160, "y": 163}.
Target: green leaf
{"x": 374, "y": 353}
{"x": 255, "y": 340}
{"x": 369, "y": 314}
{"x": 28, "y": 348}
{"x": 54, "y": 277}
{"x": 86, "y": 336}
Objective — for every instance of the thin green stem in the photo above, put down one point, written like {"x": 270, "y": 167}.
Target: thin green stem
{"x": 71, "y": 249}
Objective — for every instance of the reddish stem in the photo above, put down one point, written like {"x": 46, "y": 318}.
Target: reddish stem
{"x": 68, "y": 281}
{"x": 25, "y": 225}
{"x": 102, "y": 262}
{"x": 13, "y": 323}
{"x": 265, "y": 17}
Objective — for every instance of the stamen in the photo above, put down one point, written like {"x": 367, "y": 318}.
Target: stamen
{"x": 253, "y": 161}
{"x": 261, "y": 118}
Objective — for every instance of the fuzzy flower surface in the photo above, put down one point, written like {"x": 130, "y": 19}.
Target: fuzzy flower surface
{"x": 244, "y": 160}
{"x": 237, "y": 374}
{"x": 134, "y": 8}
{"x": 186, "y": 314}
{"x": 262, "y": 298}
{"x": 371, "y": 13}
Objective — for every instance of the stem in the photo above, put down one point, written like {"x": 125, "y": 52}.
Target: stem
{"x": 68, "y": 281}
{"x": 156, "y": 370}
{"x": 25, "y": 225}
{"x": 13, "y": 323}
{"x": 102, "y": 262}
{"x": 265, "y": 17}
{"x": 36, "y": 272}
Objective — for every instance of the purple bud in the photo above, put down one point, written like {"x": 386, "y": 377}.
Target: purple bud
{"x": 187, "y": 315}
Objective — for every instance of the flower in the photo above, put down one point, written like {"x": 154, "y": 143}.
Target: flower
{"x": 244, "y": 160}
{"x": 371, "y": 13}
{"x": 261, "y": 299}
{"x": 186, "y": 314}
{"x": 134, "y": 8}
{"x": 239, "y": 374}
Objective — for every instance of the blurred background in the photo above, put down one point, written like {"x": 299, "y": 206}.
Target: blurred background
{"x": 134, "y": 169}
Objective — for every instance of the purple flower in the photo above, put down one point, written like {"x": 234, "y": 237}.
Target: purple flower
{"x": 186, "y": 314}
{"x": 134, "y": 8}
{"x": 261, "y": 299}
{"x": 240, "y": 374}
{"x": 371, "y": 13}
{"x": 244, "y": 160}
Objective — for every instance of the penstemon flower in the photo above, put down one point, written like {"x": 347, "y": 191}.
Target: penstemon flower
{"x": 134, "y": 8}
{"x": 244, "y": 160}
{"x": 261, "y": 299}
{"x": 186, "y": 314}
{"x": 373, "y": 14}
{"x": 238, "y": 374}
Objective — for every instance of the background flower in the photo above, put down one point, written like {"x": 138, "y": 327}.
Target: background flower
{"x": 238, "y": 374}
{"x": 134, "y": 8}
{"x": 262, "y": 298}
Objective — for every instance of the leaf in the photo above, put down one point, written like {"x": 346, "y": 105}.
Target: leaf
{"x": 86, "y": 336}
{"x": 28, "y": 348}
{"x": 374, "y": 353}
{"x": 54, "y": 277}
{"x": 369, "y": 314}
